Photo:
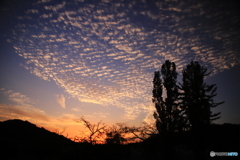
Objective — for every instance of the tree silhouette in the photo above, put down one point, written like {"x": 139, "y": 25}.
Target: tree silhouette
{"x": 167, "y": 110}
{"x": 114, "y": 138}
{"x": 197, "y": 99}
{"x": 96, "y": 130}
{"x": 116, "y": 134}
{"x": 169, "y": 75}
{"x": 160, "y": 114}
{"x": 142, "y": 132}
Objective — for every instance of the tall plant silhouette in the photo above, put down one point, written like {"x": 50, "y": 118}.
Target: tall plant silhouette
{"x": 160, "y": 113}
{"x": 167, "y": 111}
{"x": 197, "y": 99}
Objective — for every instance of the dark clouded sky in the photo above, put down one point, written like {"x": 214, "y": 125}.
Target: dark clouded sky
{"x": 96, "y": 58}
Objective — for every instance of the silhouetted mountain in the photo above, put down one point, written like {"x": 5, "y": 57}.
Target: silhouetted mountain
{"x": 24, "y": 140}
{"x": 18, "y": 129}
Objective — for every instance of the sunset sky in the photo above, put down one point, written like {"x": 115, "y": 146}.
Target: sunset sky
{"x": 61, "y": 60}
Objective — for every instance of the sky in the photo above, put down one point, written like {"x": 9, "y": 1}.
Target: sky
{"x": 61, "y": 60}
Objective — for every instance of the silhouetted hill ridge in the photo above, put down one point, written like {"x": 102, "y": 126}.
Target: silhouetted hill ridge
{"x": 17, "y": 129}
{"x": 22, "y": 138}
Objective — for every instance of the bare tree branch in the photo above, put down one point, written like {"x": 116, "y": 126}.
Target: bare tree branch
{"x": 96, "y": 130}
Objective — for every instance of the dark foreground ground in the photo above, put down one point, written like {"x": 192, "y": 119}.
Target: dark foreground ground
{"x": 23, "y": 140}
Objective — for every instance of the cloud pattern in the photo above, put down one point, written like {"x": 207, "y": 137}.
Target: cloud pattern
{"x": 61, "y": 100}
{"x": 22, "y": 107}
{"x": 105, "y": 52}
